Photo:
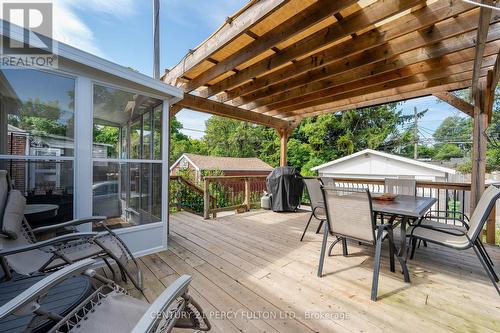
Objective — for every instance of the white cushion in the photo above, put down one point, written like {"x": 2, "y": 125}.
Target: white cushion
{"x": 13, "y": 214}
{"x": 4, "y": 191}
{"x": 444, "y": 238}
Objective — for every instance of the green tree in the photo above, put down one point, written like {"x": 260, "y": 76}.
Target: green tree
{"x": 447, "y": 151}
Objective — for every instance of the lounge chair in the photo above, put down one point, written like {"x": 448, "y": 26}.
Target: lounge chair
{"x": 350, "y": 216}
{"x": 461, "y": 237}
{"x": 109, "y": 308}
{"x": 23, "y": 253}
{"x": 313, "y": 187}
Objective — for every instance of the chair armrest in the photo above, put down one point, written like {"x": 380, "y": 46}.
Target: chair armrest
{"x": 432, "y": 212}
{"x": 463, "y": 222}
{"x": 155, "y": 312}
{"x": 49, "y": 242}
{"x": 74, "y": 222}
{"x": 446, "y": 230}
{"x": 26, "y": 301}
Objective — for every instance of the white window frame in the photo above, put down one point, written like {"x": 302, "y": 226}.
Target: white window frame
{"x": 163, "y": 161}
{"x": 28, "y": 158}
{"x": 83, "y": 161}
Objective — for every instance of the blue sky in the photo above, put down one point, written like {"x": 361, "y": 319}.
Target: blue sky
{"x": 121, "y": 31}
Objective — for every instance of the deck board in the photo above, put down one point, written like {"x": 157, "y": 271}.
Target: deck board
{"x": 250, "y": 267}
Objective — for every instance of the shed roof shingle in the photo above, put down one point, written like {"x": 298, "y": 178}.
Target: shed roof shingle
{"x": 228, "y": 163}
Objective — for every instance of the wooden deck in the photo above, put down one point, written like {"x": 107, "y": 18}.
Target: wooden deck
{"x": 251, "y": 274}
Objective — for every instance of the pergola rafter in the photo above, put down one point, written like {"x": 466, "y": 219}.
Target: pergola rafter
{"x": 401, "y": 26}
{"x": 303, "y": 58}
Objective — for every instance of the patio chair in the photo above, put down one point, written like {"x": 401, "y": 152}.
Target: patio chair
{"x": 327, "y": 181}
{"x": 349, "y": 215}
{"x": 400, "y": 186}
{"x": 313, "y": 187}
{"x": 462, "y": 238}
{"x": 23, "y": 253}
{"x": 110, "y": 308}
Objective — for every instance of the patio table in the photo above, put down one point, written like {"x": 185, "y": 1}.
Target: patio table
{"x": 407, "y": 207}
{"x": 36, "y": 214}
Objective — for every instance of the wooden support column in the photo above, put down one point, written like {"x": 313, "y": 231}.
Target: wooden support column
{"x": 206, "y": 199}
{"x": 490, "y": 228}
{"x": 284, "y": 135}
{"x": 248, "y": 193}
{"x": 483, "y": 103}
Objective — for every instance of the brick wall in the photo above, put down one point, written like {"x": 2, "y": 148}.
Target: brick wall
{"x": 18, "y": 168}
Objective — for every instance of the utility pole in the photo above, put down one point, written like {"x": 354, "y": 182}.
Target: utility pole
{"x": 156, "y": 39}
{"x": 415, "y": 133}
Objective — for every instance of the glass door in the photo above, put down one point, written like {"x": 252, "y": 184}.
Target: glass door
{"x": 127, "y": 163}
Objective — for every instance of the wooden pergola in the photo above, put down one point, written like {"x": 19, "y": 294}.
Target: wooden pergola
{"x": 276, "y": 62}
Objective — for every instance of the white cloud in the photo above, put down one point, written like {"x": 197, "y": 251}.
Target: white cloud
{"x": 71, "y": 29}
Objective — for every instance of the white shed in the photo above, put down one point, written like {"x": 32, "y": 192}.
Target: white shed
{"x": 374, "y": 164}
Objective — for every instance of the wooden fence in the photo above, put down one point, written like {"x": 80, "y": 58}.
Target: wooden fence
{"x": 226, "y": 193}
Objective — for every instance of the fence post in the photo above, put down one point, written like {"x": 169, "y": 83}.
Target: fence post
{"x": 490, "y": 227}
{"x": 248, "y": 199}
{"x": 178, "y": 194}
{"x": 206, "y": 199}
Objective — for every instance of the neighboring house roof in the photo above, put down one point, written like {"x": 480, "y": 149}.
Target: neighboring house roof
{"x": 203, "y": 162}
{"x": 388, "y": 156}
{"x": 14, "y": 129}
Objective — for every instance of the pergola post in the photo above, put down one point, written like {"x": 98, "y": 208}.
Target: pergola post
{"x": 284, "y": 134}
{"x": 483, "y": 104}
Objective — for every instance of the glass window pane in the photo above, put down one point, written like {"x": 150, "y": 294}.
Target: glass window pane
{"x": 135, "y": 140}
{"x": 157, "y": 133}
{"x": 131, "y": 114}
{"x": 147, "y": 135}
{"x": 47, "y": 186}
{"x": 128, "y": 194}
{"x": 106, "y": 141}
{"x": 36, "y": 113}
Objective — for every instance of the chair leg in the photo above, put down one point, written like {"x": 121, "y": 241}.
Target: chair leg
{"x": 345, "y": 253}
{"x": 413, "y": 247}
{"x": 319, "y": 226}
{"x": 323, "y": 250}
{"x": 482, "y": 252}
{"x": 376, "y": 265}
{"x": 333, "y": 244}
{"x": 486, "y": 253}
{"x": 391, "y": 251}
{"x": 307, "y": 226}
{"x": 481, "y": 259}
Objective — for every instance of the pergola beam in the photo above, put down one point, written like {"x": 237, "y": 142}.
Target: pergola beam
{"x": 376, "y": 74}
{"x": 456, "y": 102}
{"x": 433, "y": 76}
{"x": 232, "y": 29}
{"x": 456, "y": 34}
{"x": 389, "y": 96}
{"x": 438, "y": 84}
{"x": 366, "y": 17}
{"x": 286, "y": 30}
{"x": 201, "y": 104}
{"x": 482, "y": 34}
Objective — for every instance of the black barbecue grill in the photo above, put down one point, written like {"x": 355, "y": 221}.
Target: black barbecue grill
{"x": 285, "y": 186}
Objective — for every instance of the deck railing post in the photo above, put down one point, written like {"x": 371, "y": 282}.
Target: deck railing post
{"x": 490, "y": 227}
{"x": 247, "y": 194}
{"x": 206, "y": 199}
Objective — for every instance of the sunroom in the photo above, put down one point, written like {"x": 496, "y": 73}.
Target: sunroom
{"x": 88, "y": 137}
